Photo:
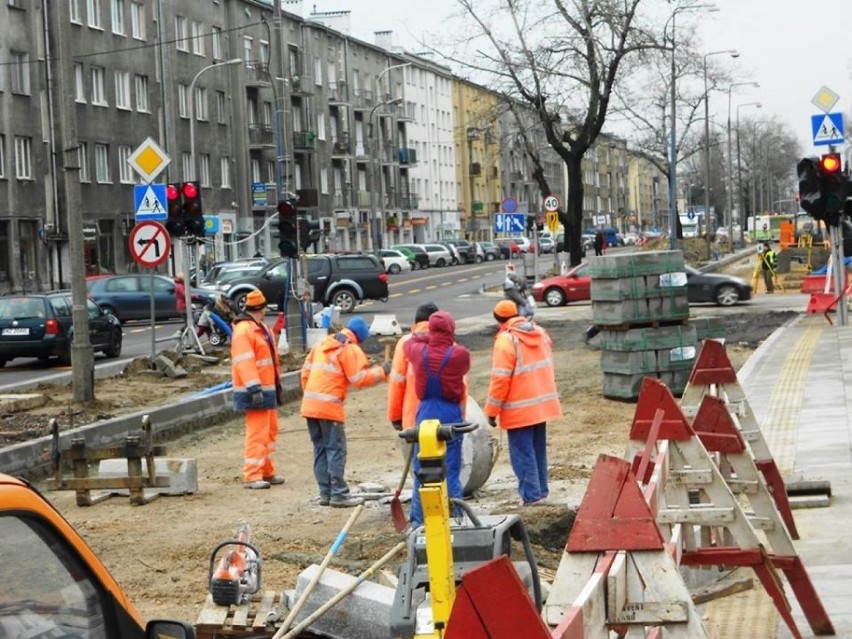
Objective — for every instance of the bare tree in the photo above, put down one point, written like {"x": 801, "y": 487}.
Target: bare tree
{"x": 563, "y": 58}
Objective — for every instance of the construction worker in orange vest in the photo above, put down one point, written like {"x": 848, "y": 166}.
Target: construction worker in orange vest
{"x": 522, "y": 397}
{"x": 329, "y": 369}
{"x": 255, "y": 370}
{"x": 402, "y": 398}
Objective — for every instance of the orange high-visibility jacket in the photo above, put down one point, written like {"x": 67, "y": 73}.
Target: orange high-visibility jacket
{"x": 522, "y": 391}
{"x": 402, "y": 398}
{"x": 329, "y": 369}
{"x": 254, "y": 363}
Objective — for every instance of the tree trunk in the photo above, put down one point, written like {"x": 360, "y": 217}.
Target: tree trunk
{"x": 572, "y": 219}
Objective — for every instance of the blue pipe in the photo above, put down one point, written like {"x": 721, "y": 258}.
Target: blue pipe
{"x": 212, "y": 389}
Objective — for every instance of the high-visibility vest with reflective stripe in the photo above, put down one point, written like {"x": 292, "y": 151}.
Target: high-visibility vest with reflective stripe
{"x": 254, "y": 362}
{"x": 329, "y": 369}
{"x": 522, "y": 391}
{"x": 402, "y": 397}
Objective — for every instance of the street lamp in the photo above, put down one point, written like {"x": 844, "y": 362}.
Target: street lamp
{"x": 740, "y": 203}
{"x": 730, "y": 165}
{"x": 376, "y": 228}
{"x": 673, "y": 137}
{"x": 734, "y": 54}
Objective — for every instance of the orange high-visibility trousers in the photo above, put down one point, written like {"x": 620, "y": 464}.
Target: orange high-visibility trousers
{"x": 260, "y": 443}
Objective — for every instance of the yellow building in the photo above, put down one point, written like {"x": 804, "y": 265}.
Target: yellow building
{"x": 476, "y": 139}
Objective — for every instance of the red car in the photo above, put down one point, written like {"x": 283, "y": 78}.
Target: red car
{"x": 574, "y": 286}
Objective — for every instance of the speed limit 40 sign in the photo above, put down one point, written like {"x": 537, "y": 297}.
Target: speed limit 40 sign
{"x": 551, "y": 203}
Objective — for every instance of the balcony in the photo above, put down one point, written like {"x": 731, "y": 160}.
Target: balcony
{"x": 516, "y": 176}
{"x": 341, "y": 146}
{"x": 261, "y": 135}
{"x": 363, "y": 100}
{"x": 363, "y": 198}
{"x": 308, "y": 197}
{"x": 362, "y": 151}
{"x": 342, "y": 199}
{"x": 301, "y": 84}
{"x": 475, "y": 168}
{"x": 409, "y": 200}
{"x": 390, "y": 201}
{"x": 389, "y": 154}
{"x": 257, "y": 74}
{"x": 338, "y": 93}
{"x": 407, "y": 156}
{"x": 304, "y": 141}
{"x": 407, "y": 111}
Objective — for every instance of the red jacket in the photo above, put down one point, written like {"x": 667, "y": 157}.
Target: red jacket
{"x": 438, "y": 340}
{"x": 180, "y": 296}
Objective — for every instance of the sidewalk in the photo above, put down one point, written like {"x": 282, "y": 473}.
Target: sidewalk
{"x": 799, "y": 384}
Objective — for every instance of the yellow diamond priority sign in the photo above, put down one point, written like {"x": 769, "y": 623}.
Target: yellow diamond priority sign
{"x": 149, "y": 160}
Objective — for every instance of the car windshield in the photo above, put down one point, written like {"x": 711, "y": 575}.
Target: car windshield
{"x": 21, "y": 308}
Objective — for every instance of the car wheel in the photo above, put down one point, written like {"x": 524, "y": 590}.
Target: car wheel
{"x": 478, "y": 259}
{"x": 415, "y": 266}
{"x": 344, "y": 298}
{"x": 114, "y": 348}
{"x": 2, "y": 363}
{"x": 216, "y": 339}
{"x": 394, "y": 269}
{"x": 441, "y": 262}
{"x": 727, "y": 295}
{"x": 239, "y": 302}
{"x": 554, "y": 297}
{"x": 489, "y": 257}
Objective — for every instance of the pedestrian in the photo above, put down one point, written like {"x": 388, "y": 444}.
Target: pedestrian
{"x": 255, "y": 369}
{"x": 515, "y": 290}
{"x": 767, "y": 263}
{"x": 329, "y": 369}
{"x": 440, "y": 367}
{"x": 522, "y": 397}
{"x": 402, "y": 398}
{"x": 599, "y": 243}
{"x": 180, "y": 302}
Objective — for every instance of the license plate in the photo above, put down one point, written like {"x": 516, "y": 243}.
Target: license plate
{"x": 16, "y": 331}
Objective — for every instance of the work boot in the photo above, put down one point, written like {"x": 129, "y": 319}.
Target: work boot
{"x": 345, "y": 502}
{"x": 275, "y": 480}
{"x": 324, "y": 501}
{"x": 257, "y": 484}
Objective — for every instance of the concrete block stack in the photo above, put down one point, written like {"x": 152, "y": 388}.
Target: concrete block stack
{"x": 639, "y": 300}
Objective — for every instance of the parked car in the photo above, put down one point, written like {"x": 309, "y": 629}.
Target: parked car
{"x": 468, "y": 253}
{"x": 394, "y": 261}
{"x": 128, "y": 297}
{"x": 409, "y": 255}
{"x": 420, "y": 254}
{"x": 721, "y": 289}
{"x": 219, "y": 267}
{"x": 454, "y": 251}
{"x": 546, "y": 244}
{"x": 560, "y": 247}
{"x": 223, "y": 279}
{"x": 41, "y": 325}
{"x": 438, "y": 255}
{"x": 630, "y": 239}
{"x": 574, "y": 286}
{"x": 492, "y": 251}
{"x": 337, "y": 280}
{"x": 508, "y": 249}
{"x": 523, "y": 243}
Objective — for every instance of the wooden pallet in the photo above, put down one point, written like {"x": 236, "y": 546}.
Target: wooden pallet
{"x": 248, "y": 619}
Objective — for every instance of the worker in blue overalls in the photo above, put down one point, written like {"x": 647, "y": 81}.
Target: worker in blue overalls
{"x": 440, "y": 367}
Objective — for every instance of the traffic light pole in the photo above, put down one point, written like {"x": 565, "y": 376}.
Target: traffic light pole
{"x": 838, "y": 272}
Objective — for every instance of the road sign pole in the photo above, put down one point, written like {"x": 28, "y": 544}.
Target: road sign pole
{"x": 153, "y": 317}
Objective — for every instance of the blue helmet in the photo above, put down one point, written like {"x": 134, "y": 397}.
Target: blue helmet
{"x": 358, "y": 326}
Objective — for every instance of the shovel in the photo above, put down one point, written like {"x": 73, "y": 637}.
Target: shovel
{"x": 400, "y": 521}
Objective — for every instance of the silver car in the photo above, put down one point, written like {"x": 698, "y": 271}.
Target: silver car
{"x": 438, "y": 255}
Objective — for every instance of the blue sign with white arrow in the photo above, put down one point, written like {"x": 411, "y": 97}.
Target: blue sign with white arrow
{"x": 509, "y": 222}
{"x": 827, "y": 128}
{"x": 149, "y": 202}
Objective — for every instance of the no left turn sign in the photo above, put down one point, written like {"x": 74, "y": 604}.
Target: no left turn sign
{"x": 149, "y": 244}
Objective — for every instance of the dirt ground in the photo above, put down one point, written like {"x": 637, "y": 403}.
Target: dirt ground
{"x": 160, "y": 552}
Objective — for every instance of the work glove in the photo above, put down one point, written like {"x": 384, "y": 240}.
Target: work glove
{"x": 492, "y": 421}
{"x": 397, "y": 425}
{"x": 386, "y": 367}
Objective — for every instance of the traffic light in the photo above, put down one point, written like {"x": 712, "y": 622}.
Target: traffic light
{"x": 309, "y": 232}
{"x": 832, "y": 186}
{"x": 193, "y": 212}
{"x": 287, "y": 240}
{"x": 530, "y": 223}
{"x": 176, "y": 222}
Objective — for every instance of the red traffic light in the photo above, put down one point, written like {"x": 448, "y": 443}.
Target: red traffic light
{"x": 172, "y": 192}
{"x": 286, "y": 209}
{"x": 190, "y": 190}
{"x": 830, "y": 163}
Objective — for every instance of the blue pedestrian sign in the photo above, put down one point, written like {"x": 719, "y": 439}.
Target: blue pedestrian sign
{"x": 827, "y": 128}
{"x": 509, "y": 222}
{"x": 149, "y": 202}
{"x": 211, "y": 224}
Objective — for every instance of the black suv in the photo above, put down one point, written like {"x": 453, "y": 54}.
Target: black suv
{"x": 40, "y": 325}
{"x": 337, "y": 280}
{"x": 467, "y": 251}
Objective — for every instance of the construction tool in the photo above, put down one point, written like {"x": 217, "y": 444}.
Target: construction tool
{"x": 335, "y": 547}
{"x": 237, "y": 575}
{"x": 400, "y": 521}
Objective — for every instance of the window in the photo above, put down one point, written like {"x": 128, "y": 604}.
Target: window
{"x": 204, "y": 159}
{"x": 183, "y": 105}
{"x": 220, "y": 107}
{"x": 118, "y": 17}
{"x": 318, "y": 72}
{"x": 216, "y": 42}
{"x": 248, "y": 55}
{"x": 122, "y": 90}
{"x": 142, "y": 94}
{"x": 264, "y": 52}
{"x": 270, "y": 171}
{"x": 266, "y": 113}
{"x": 20, "y": 67}
{"x": 197, "y": 38}
{"x": 180, "y": 33}
{"x": 83, "y": 161}
{"x": 356, "y": 83}
{"x": 93, "y": 10}
{"x": 125, "y": 171}
{"x": 23, "y": 157}
{"x": 79, "y": 87}
{"x": 321, "y": 126}
{"x": 225, "y": 170}
{"x": 102, "y": 163}
{"x": 2, "y": 157}
{"x": 332, "y": 74}
{"x": 98, "y": 92}
{"x": 201, "y": 104}
{"x": 137, "y": 20}
{"x": 186, "y": 165}
{"x": 324, "y": 181}
{"x": 254, "y": 169}
{"x": 74, "y": 11}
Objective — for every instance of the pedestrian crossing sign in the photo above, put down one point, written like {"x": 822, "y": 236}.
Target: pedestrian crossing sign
{"x": 149, "y": 202}
{"x": 827, "y": 129}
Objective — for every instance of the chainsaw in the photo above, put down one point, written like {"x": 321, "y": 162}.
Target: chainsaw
{"x": 237, "y": 575}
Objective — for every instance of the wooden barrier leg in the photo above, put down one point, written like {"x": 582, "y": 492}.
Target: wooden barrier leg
{"x": 80, "y": 468}
{"x": 808, "y": 599}
{"x": 779, "y": 493}
{"x": 134, "y": 472}
{"x": 769, "y": 579}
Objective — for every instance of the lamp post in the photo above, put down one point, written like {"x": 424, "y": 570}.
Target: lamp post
{"x": 375, "y": 226}
{"x": 730, "y": 165}
{"x": 734, "y": 54}
{"x": 740, "y": 203}
{"x": 673, "y": 132}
